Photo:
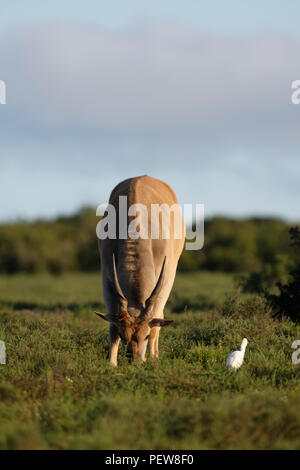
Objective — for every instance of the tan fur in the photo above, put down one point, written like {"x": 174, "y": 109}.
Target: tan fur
{"x": 138, "y": 264}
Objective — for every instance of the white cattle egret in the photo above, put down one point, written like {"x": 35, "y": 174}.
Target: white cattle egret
{"x": 236, "y": 358}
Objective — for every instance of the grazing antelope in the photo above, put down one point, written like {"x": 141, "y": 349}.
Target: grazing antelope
{"x": 138, "y": 272}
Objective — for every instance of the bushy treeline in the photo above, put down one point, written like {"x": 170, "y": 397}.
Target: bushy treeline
{"x": 66, "y": 244}
{"x": 70, "y": 244}
{"x": 242, "y": 246}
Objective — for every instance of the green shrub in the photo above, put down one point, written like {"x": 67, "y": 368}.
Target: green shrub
{"x": 288, "y": 301}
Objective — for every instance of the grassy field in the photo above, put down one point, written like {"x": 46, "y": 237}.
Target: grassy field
{"x": 57, "y": 390}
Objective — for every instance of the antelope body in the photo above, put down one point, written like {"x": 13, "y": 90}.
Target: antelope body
{"x": 138, "y": 274}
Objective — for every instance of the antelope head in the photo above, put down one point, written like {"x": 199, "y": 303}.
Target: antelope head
{"x": 134, "y": 324}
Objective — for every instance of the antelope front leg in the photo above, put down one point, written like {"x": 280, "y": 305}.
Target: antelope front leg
{"x": 114, "y": 345}
{"x": 156, "y": 342}
{"x": 153, "y": 342}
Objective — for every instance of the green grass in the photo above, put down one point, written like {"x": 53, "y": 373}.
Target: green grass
{"x": 57, "y": 390}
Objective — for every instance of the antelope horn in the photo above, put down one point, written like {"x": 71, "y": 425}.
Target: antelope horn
{"x": 116, "y": 281}
{"x": 150, "y": 301}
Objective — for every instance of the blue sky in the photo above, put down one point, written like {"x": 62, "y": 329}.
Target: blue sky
{"x": 232, "y": 17}
{"x": 196, "y": 93}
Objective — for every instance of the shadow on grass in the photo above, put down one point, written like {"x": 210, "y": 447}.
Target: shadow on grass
{"x": 179, "y": 304}
{"x": 73, "y": 306}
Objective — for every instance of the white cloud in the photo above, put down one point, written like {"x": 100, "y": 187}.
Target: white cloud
{"x": 211, "y": 115}
{"x": 157, "y": 82}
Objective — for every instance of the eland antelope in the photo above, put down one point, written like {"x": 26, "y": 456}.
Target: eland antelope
{"x": 138, "y": 272}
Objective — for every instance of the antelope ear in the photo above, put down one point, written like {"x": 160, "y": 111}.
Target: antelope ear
{"x": 104, "y": 316}
{"x": 159, "y": 322}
